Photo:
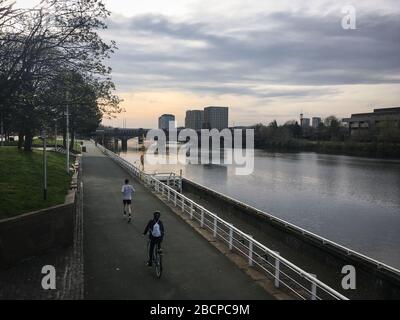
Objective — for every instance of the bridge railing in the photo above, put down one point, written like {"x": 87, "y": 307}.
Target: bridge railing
{"x": 299, "y": 283}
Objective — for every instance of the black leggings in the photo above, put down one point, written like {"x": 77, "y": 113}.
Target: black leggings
{"x": 153, "y": 242}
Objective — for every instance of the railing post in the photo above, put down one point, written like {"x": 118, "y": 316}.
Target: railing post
{"x": 202, "y": 218}
{"x": 191, "y": 210}
{"x": 169, "y": 193}
{"x": 277, "y": 267}
{"x": 251, "y": 251}
{"x": 183, "y": 204}
{"x": 230, "y": 237}
{"x": 313, "y": 287}
{"x": 175, "y": 198}
{"x": 215, "y": 227}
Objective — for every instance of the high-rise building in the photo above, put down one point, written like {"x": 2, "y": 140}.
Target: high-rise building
{"x": 194, "y": 119}
{"x": 164, "y": 120}
{"x": 216, "y": 118}
{"x": 305, "y": 122}
{"x": 316, "y": 121}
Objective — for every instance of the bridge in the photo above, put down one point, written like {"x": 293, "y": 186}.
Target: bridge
{"x": 107, "y": 135}
{"x": 123, "y": 134}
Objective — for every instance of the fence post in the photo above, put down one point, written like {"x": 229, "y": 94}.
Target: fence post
{"x": 277, "y": 266}
{"x": 191, "y": 210}
{"x": 175, "y": 198}
{"x": 180, "y": 181}
{"x": 251, "y": 251}
{"x": 230, "y": 237}
{"x": 313, "y": 287}
{"x": 202, "y": 218}
{"x": 183, "y": 204}
{"x": 215, "y": 227}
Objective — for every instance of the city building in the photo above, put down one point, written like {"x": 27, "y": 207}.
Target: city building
{"x": 164, "y": 120}
{"x": 364, "y": 122}
{"x": 304, "y": 122}
{"x": 316, "y": 121}
{"x": 216, "y": 118}
{"x": 194, "y": 119}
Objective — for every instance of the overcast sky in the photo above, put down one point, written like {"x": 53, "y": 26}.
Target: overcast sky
{"x": 265, "y": 59}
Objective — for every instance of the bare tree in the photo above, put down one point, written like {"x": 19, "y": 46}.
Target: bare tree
{"x": 56, "y": 36}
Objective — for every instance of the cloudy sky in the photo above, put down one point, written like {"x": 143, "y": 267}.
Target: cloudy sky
{"x": 265, "y": 59}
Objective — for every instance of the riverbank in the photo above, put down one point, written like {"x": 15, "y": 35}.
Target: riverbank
{"x": 350, "y": 148}
{"x": 21, "y": 185}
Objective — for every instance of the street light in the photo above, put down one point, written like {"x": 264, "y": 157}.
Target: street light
{"x": 43, "y": 136}
{"x": 55, "y": 135}
{"x": 67, "y": 133}
{"x": 2, "y": 131}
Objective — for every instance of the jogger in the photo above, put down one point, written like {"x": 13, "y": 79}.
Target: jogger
{"x": 127, "y": 194}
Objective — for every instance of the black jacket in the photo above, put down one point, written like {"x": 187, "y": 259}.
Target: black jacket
{"x": 150, "y": 225}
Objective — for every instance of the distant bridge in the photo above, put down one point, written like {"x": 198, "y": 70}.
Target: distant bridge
{"x": 123, "y": 134}
{"x": 106, "y": 135}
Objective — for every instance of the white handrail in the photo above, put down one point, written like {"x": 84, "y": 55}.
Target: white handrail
{"x": 324, "y": 241}
{"x": 187, "y": 202}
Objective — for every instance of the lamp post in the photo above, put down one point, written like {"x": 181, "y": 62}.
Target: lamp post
{"x": 55, "y": 135}
{"x": 43, "y": 135}
{"x": 2, "y": 131}
{"x": 67, "y": 132}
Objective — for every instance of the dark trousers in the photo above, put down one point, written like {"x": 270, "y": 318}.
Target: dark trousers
{"x": 154, "y": 241}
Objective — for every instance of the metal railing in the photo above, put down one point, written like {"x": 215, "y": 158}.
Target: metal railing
{"x": 298, "y": 282}
{"x": 322, "y": 240}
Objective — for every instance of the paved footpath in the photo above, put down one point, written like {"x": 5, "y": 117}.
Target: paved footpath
{"x": 115, "y": 251}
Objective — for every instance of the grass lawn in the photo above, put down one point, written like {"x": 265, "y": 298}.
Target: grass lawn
{"x": 38, "y": 143}
{"x": 21, "y": 181}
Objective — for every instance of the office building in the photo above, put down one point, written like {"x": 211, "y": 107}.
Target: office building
{"x": 194, "y": 119}
{"x": 364, "y": 122}
{"x": 216, "y": 118}
{"x": 316, "y": 121}
{"x": 164, "y": 121}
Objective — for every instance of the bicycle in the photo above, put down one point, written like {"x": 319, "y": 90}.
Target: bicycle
{"x": 157, "y": 258}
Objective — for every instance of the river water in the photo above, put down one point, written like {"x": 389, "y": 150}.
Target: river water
{"x": 352, "y": 201}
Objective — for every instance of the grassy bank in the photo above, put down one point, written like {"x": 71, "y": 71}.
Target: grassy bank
{"x": 21, "y": 181}
{"x": 38, "y": 143}
{"x": 351, "y": 148}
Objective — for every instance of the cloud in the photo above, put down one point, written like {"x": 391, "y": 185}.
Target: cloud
{"x": 308, "y": 54}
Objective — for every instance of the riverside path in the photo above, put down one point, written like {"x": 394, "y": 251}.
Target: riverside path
{"x": 115, "y": 251}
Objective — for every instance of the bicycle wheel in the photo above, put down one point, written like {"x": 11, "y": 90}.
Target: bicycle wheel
{"x": 158, "y": 262}
{"x": 148, "y": 251}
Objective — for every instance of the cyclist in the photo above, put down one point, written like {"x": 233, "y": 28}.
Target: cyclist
{"x": 155, "y": 229}
{"x": 127, "y": 193}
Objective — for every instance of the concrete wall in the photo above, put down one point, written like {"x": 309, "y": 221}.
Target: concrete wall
{"x": 36, "y": 233}
{"x": 306, "y": 251}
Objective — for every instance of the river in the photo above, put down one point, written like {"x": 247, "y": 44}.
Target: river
{"x": 350, "y": 200}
